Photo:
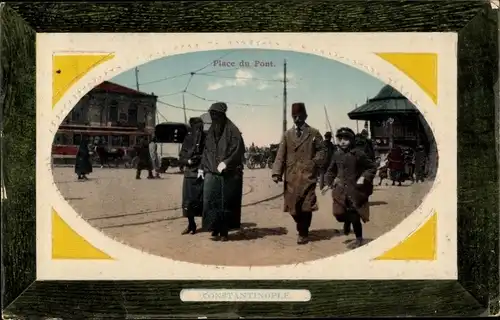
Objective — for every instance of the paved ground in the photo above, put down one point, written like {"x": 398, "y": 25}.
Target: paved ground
{"x": 114, "y": 202}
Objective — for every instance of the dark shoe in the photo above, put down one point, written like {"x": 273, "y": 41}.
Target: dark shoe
{"x": 347, "y": 228}
{"x": 302, "y": 240}
{"x": 358, "y": 243}
{"x": 190, "y": 230}
{"x": 393, "y": 183}
{"x": 138, "y": 178}
{"x": 215, "y": 236}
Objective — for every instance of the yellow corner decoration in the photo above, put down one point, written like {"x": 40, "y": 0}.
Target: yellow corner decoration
{"x": 67, "y": 244}
{"x": 421, "y": 67}
{"x": 421, "y": 245}
{"x": 68, "y": 69}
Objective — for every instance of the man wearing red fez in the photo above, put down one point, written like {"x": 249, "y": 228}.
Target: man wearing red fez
{"x": 300, "y": 155}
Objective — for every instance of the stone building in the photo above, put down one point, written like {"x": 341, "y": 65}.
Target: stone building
{"x": 117, "y": 114}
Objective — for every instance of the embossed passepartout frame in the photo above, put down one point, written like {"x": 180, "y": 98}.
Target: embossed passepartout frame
{"x": 477, "y": 286}
{"x": 421, "y": 66}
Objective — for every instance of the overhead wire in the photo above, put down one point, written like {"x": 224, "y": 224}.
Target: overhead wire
{"x": 208, "y": 74}
{"x": 166, "y": 78}
{"x": 229, "y": 102}
{"x": 170, "y": 94}
{"x": 185, "y": 73}
{"x": 180, "y": 107}
{"x": 241, "y": 78}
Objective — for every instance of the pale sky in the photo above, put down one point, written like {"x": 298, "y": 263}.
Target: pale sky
{"x": 254, "y": 94}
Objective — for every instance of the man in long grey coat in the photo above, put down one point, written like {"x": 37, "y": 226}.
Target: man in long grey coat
{"x": 300, "y": 156}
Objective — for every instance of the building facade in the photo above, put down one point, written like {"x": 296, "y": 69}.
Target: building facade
{"x": 113, "y": 113}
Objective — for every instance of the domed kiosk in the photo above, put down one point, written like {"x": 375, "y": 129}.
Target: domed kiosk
{"x": 393, "y": 119}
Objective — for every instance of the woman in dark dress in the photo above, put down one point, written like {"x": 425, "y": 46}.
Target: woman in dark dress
{"x": 83, "y": 165}
{"x": 192, "y": 188}
{"x": 396, "y": 165}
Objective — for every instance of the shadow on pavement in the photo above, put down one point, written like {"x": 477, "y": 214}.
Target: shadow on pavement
{"x": 351, "y": 243}
{"x": 257, "y": 233}
{"x": 323, "y": 234}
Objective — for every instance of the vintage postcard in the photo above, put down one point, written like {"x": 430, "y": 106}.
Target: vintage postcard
{"x": 246, "y": 156}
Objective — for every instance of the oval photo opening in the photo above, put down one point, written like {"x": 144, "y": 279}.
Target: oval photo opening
{"x": 187, "y": 157}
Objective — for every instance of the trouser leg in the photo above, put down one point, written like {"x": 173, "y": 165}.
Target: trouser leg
{"x": 357, "y": 226}
{"x": 191, "y": 223}
{"x": 321, "y": 179}
{"x": 303, "y": 222}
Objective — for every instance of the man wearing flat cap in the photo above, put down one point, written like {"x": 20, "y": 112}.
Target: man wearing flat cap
{"x": 300, "y": 155}
{"x": 222, "y": 169}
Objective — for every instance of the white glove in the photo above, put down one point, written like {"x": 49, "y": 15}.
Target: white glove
{"x": 200, "y": 174}
{"x": 361, "y": 180}
{"x": 221, "y": 167}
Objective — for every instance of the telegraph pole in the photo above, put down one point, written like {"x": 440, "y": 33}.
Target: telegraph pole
{"x": 137, "y": 78}
{"x": 284, "y": 96}
{"x": 184, "y": 108}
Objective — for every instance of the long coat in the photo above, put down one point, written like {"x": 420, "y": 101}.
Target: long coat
{"x": 83, "y": 165}
{"x": 420, "y": 162}
{"x": 299, "y": 159}
{"x": 230, "y": 149}
{"x": 145, "y": 162}
{"x": 222, "y": 192}
{"x": 192, "y": 186}
{"x": 192, "y": 149}
{"x": 396, "y": 159}
{"x": 342, "y": 175}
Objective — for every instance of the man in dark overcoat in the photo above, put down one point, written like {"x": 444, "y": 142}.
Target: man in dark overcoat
{"x": 350, "y": 176}
{"x": 300, "y": 155}
{"x": 330, "y": 149}
{"x": 192, "y": 186}
{"x": 222, "y": 167}
{"x": 145, "y": 162}
{"x": 369, "y": 149}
